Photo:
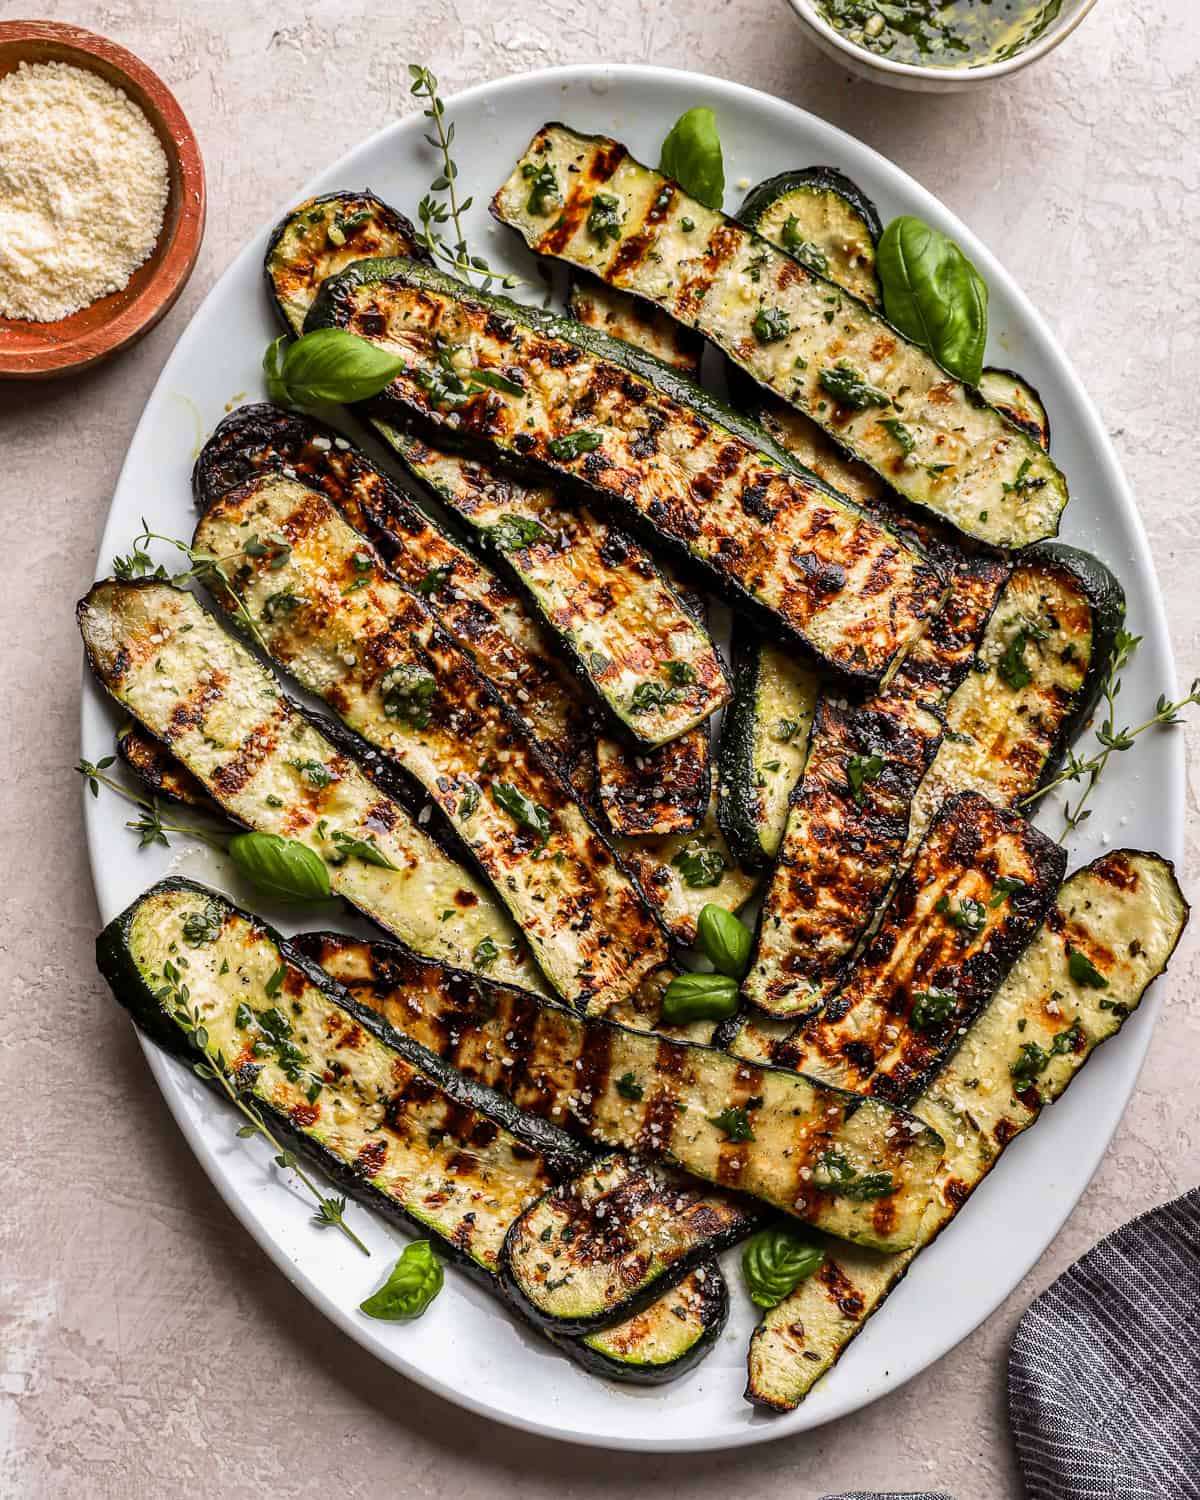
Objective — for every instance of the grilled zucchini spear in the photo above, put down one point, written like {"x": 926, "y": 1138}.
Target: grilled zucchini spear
{"x": 642, "y": 439}
{"x": 1111, "y": 932}
{"x": 201, "y": 693}
{"x": 383, "y": 1117}
{"x": 761, "y": 1131}
{"x": 600, "y": 594}
{"x": 327, "y": 610}
{"x": 811, "y": 342}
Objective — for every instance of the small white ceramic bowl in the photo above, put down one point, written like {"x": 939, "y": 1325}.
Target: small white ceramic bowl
{"x": 878, "y": 69}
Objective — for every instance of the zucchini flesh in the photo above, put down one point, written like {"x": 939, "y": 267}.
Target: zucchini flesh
{"x": 389, "y": 1122}
{"x": 323, "y": 236}
{"x": 1055, "y": 623}
{"x": 645, "y": 440}
{"x": 624, "y": 317}
{"x": 849, "y": 814}
{"x": 790, "y": 329}
{"x": 682, "y": 873}
{"x": 977, "y": 891}
{"x": 600, "y": 592}
{"x": 222, "y": 715}
{"x": 355, "y": 637}
{"x": 664, "y": 1340}
{"x": 1012, "y": 394}
{"x": 1125, "y": 911}
{"x": 580, "y": 1073}
{"x": 158, "y": 770}
{"x": 764, "y": 744}
{"x": 477, "y": 608}
{"x": 611, "y": 1238}
{"x": 656, "y": 792}
{"x": 826, "y": 221}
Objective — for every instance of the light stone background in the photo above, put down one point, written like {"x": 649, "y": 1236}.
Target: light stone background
{"x": 146, "y": 1346}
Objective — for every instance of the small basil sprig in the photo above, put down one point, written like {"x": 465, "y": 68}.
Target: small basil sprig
{"x": 775, "y": 1262}
{"x": 934, "y": 295}
{"x": 415, "y": 1281}
{"x": 327, "y": 367}
{"x": 724, "y": 941}
{"x": 691, "y": 154}
{"x": 284, "y": 868}
{"x": 699, "y": 997}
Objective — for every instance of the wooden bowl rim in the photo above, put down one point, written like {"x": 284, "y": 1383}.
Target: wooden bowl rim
{"x": 176, "y": 258}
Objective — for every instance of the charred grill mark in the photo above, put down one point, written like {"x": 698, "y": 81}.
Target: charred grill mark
{"x": 370, "y": 1159}
{"x": 232, "y": 777}
{"x": 841, "y": 1289}
{"x": 591, "y": 1072}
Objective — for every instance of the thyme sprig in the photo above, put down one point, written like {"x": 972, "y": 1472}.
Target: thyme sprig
{"x": 440, "y": 206}
{"x": 175, "y": 993}
{"x": 151, "y": 827}
{"x": 1088, "y": 769}
{"x": 205, "y": 567}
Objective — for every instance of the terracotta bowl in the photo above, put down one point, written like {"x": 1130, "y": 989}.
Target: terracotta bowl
{"x": 42, "y": 350}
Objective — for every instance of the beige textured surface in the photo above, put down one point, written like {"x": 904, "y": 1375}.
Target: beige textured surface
{"x": 145, "y": 1344}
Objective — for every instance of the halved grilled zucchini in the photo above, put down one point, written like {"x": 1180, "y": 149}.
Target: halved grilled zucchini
{"x": 607, "y": 601}
{"x": 1124, "y": 913}
{"x": 764, "y": 744}
{"x": 977, "y": 891}
{"x": 323, "y": 236}
{"x": 794, "y": 332}
{"x": 201, "y": 692}
{"x": 849, "y": 813}
{"x": 624, "y": 317}
{"x": 755, "y": 1130}
{"x": 609, "y": 1240}
{"x": 826, "y": 221}
{"x": 645, "y": 440}
{"x": 1012, "y": 394}
{"x": 382, "y": 1116}
{"x": 327, "y": 610}
{"x": 1035, "y": 680}
{"x": 481, "y": 612}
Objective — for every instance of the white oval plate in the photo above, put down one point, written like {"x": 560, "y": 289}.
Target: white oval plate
{"x": 466, "y": 1348}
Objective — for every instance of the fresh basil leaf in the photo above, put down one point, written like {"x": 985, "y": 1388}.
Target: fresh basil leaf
{"x": 284, "y": 868}
{"x": 724, "y": 941}
{"x": 934, "y": 295}
{"x": 415, "y": 1281}
{"x": 272, "y": 367}
{"x": 691, "y": 154}
{"x": 331, "y": 365}
{"x": 524, "y": 812}
{"x": 1084, "y": 972}
{"x": 775, "y": 1262}
{"x": 699, "y": 997}
{"x": 349, "y": 846}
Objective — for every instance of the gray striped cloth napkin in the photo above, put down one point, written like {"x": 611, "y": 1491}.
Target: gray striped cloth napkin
{"x": 1104, "y": 1375}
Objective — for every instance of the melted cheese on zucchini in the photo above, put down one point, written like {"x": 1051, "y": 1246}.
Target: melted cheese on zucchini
{"x": 791, "y": 330}
{"x": 224, "y": 718}
{"x": 352, "y": 635}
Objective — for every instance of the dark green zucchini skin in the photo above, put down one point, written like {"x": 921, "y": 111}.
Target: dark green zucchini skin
{"x": 712, "y": 1295}
{"x": 826, "y": 179}
{"x": 1104, "y": 593}
{"x": 333, "y": 308}
{"x": 1028, "y": 411}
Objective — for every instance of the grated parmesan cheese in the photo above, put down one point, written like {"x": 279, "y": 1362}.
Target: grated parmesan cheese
{"x": 83, "y": 187}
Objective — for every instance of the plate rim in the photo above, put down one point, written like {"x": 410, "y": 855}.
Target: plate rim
{"x": 169, "y": 1075}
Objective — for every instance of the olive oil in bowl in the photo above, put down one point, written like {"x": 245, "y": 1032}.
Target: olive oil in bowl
{"x": 941, "y": 33}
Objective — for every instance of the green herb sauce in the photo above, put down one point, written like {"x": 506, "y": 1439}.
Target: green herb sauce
{"x": 942, "y": 33}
